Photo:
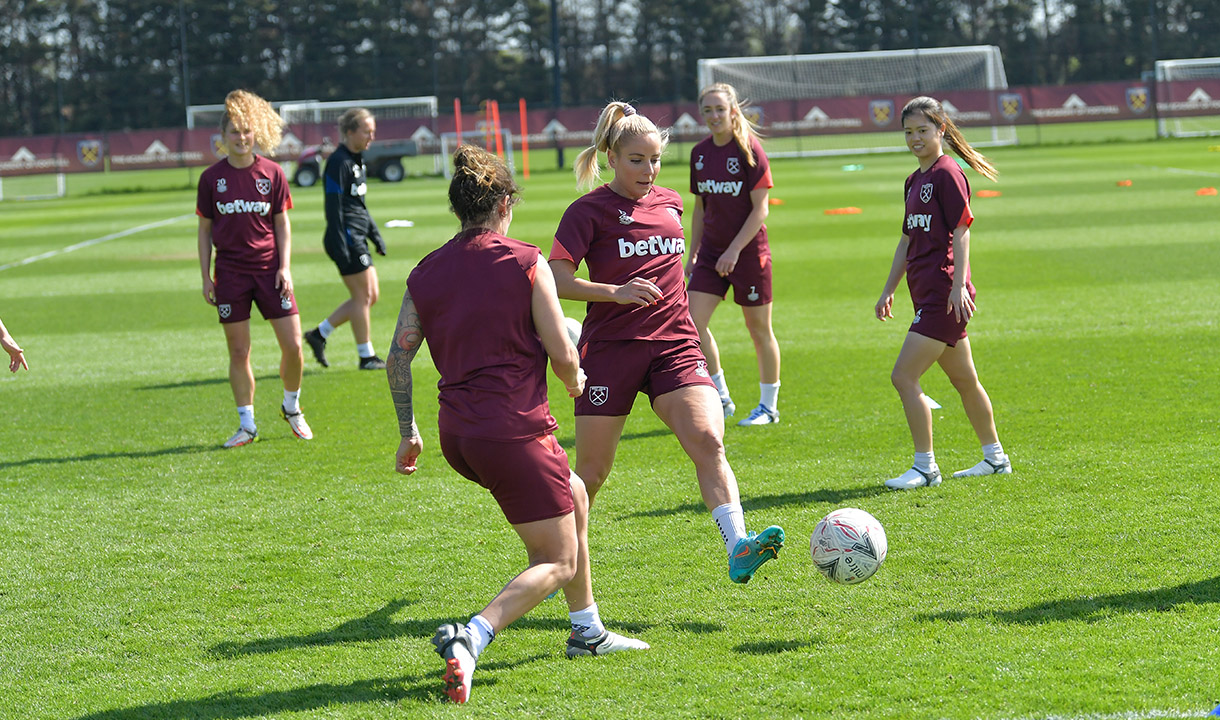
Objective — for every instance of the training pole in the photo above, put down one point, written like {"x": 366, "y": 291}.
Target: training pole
{"x": 457, "y": 118}
{"x": 495, "y": 125}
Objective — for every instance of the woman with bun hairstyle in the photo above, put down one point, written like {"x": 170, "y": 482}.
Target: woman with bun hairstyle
{"x": 486, "y": 304}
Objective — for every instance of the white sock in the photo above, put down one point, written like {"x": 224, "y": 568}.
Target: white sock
{"x": 587, "y": 623}
{"x": 768, "y": 394}
{"x": 245, "y": 413}
{"x": 993, "y": 452}
{"x": 482, "y": 633}
{"x": 731, "y": 520}
{"x": 365, "y": 350}
{"x": 721, "y": 386}
{"x": 292, "y": 401}
{"x": 925, "y": 462}
{"x": 325, "y": 328}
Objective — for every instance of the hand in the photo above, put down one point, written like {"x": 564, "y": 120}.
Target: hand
{"x": 639, "y": 291}
{"x": 727, "y": 262}
{"x": 689, "y": 269}
{"x": 960, "y": 304}
{"x": 283, "y": 283}
{"x": 209, "y": 291}
{"x": 579, "y": 388}
{"x": 408, "y": 452}
{"x": 884, "y": 307}
{"x": 378, "y": 243}
{"x": 17, "y": 356}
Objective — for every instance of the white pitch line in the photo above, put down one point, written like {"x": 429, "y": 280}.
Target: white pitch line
{"x": 1180, "y": 171}
{"x": 96, "y": 241}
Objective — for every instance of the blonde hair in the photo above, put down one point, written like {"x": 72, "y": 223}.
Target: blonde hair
{"x": 243, "y": 106}
{"x": 743, "y": 128}
{"x": 935, "y": 112}
{"x": 480, "y": 179}
{"x": 617, "y": 123}
{"x": 350, "y": 120}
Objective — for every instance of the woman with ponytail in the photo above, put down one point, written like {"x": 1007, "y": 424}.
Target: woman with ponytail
{"x": 731, "y": 180}
{"x": 638, "y": 335}
{"x": 243, "y": 204}
{"x": 486, "y": 304}
{"x": 934, "y": 254}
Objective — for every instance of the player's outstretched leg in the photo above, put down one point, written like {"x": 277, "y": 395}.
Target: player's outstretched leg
{"x": 454, "y": 643}
{"x": 752, "y": 551}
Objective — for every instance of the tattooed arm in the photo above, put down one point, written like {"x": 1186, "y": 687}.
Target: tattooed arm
{"x": 408, "y": 336}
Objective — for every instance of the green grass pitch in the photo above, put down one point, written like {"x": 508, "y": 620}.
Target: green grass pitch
{"x": 146, "y": 573}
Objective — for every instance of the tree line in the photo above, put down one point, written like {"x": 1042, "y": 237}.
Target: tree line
{"x": 81, "y": 65}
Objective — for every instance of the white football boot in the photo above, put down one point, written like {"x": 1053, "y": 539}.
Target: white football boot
{"x": 986, "y": 467}
{"x": 915, "y": 478}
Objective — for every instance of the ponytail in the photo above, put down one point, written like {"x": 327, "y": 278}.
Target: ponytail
{"x": 936, "y": 115}
{"x": 618, "y": 122}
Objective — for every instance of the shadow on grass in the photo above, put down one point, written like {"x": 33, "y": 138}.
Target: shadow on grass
{"x": 201, "y": 383}
{"x": 233, "y": 704}
{"x": 130, "y": 455}
{"x": 1095, "y": 608}
{"x": 379, "y": 625}
{"x": 763, "y": 502}
{"x": 773, "y": 647}
{"x": 568, "y": 442}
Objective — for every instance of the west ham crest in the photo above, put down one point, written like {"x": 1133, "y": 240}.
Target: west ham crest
{"x": 733, "y": 165}
{"x": 881, "y": 111}
{"x": 598, "y": 394}
{"x": 1010, "y": 106}
{"x": 925, "y": 192}
{"x": 1137, "y": 99}
{"x": 89, "y": 152}
{"x": 263, "y": 185}
{"x": 225, "y": 310}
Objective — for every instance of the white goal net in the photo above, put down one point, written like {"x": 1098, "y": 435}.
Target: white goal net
{"x": 43, "y": 186}
{"x": 1188, "y": 97}
{"x": 827, "y": 98}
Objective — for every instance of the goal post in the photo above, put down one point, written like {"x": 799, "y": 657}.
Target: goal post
{"x": 42, "y": 186}
{"x": 1188, "y": 97}
{"x": 800, "y": 88}
{"x": 449, "y": 144}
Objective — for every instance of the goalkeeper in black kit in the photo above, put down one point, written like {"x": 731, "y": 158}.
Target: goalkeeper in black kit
{"x": 349, "y": 231}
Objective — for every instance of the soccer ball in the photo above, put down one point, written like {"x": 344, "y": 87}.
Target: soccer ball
{"x": 848, "y": 546}
{"x": 573, "y": 327}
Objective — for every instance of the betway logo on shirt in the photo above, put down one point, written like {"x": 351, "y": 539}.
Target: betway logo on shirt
{"x": 919, "y": 221}
{"x": 654, "y": 245}
{"x": 715, "y": 187}
{"x": 260, "y": 207}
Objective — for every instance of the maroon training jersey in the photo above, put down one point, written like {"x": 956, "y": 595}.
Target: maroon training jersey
{"x": 722, "y": 177}
{"x": 937, "y": 202}
{"x": 620, "y": 239}
{"x": 474, "y": 298}
{"x": 242, "y": 204}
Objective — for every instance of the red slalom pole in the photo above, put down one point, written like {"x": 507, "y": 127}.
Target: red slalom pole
{"x": 457, "y": 118}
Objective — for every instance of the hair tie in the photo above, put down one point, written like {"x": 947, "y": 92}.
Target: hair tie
{"x": 628, "y": 111}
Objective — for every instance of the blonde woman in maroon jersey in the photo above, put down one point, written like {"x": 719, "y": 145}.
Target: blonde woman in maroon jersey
{"x": 934, "y": 254}
{"x": 638, "y": 335}
{"x": 730, "y": 177}
{"x": 243, "y": 204}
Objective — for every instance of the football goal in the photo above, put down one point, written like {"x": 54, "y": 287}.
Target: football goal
{"x": 44, "y": 186}
{"x": 793, "y": 83}
{"x": 483, "y": 139}
{"x": 1188, "y": 97}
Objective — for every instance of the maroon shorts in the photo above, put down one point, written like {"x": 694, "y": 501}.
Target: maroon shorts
{"x": 932, "y": 321}
{"x": 750, "y": 280}
{"x": 235, "y": 291}
{"x": 619, "y": 369}
{"x": 528, "y": 478}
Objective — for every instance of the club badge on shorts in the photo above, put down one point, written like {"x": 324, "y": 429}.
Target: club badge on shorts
{"x": 925, "y": 192}
{"x": 917, "y": 313}
{"x": 224, "y": 309}
{"x": 701, "y": 369}
{"x": 598, "y": 394}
